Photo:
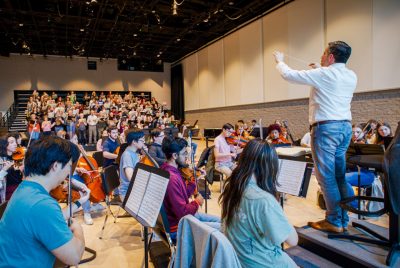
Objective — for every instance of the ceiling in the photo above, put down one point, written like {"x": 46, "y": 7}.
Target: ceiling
{"x": 147, "y": 30}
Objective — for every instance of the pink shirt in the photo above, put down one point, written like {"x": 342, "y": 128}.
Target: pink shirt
{"x": 223, "y": 147}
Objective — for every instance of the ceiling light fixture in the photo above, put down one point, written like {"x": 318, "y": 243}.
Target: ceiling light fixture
{"x": 174, "y": 8}
{"x": 82, "y": 30}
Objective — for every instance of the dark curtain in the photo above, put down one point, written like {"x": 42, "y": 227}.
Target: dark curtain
{"x": 177, "y": 97}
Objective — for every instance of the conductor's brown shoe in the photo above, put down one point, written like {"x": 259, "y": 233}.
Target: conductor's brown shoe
{"x": 324, "y": 225}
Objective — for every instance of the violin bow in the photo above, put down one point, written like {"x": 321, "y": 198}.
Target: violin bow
{"x": 30, "y": 136}
{"x": 261, "y": 130}
{"x": 70, "y": 195}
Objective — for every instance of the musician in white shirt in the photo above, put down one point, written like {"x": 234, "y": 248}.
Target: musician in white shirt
{"x": 332, "y": 88}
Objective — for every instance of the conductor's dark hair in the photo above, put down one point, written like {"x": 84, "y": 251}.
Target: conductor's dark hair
{"x": 172, "y": 145}
{"x": 340, "y": 50}
{"x": 43, "y": 153}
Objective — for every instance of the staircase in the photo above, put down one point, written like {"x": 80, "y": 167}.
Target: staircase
{"x": 19, "y": 123}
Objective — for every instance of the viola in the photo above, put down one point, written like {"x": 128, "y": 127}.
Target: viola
{"x": 19, "y": 154}
{"x": 92, "y": 178}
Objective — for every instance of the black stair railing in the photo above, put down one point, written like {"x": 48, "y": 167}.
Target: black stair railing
{"x": 9, "y": 116}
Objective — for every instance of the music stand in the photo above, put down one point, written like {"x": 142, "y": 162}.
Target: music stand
{"x": 195, "y": 132}
{"x": 144, "y": 198}
{"x": 173, "y": 132}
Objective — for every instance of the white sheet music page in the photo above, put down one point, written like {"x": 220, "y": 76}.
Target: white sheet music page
{"x": 293, "y": 151}
{"x": 291, "y": 175}
{"x": 153, "y": 199}
{"x": 138, "y": 190}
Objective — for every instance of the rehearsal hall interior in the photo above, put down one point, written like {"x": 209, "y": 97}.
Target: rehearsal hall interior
{"x": 187, "y": 133}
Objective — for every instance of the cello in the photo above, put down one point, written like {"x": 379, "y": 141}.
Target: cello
{"x": 92, "y": 177}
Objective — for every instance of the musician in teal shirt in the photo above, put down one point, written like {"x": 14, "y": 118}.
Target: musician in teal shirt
{"x": 33, "y": 229}
{"x": 253, "y": 220}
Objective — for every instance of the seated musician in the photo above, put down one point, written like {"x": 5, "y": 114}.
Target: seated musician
{"x": 252, "y": 218}
{"x": 130, "y": 157}
{"x": 225, "y": 153}
{"x": 176, "y": 200}
{"x": 109, "y": 146}
{"x": 33, "y": 228}
{"x": 79, "y": 182}
{"x": 240, "y": 130}
{"x": 10, "y": 174}
{"x": 275, "y": 135}
{"x": 155, "y": 149}
{"x": 366, "y": 176}
{"x": 306, "y": 140}
{"x": 358, "y": 134}
{"x": 371, "y": 131}
{"x": 385, "y": 135}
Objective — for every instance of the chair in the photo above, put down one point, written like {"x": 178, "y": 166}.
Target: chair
{"x": 110, "y": 182}
{"x": 98, "y": 156}
{"x": 207, "y": 159}
{"x": 163, "y": 232}
{"x": 200, "y": 245}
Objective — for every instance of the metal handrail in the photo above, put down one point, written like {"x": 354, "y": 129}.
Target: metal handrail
{"x": 9, "y": 117}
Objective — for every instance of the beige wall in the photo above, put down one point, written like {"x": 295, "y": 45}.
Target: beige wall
{"x": 59, "y": 73}
{"x": 239, "y": 69}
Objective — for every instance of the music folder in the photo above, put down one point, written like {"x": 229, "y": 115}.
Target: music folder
{"x": 146, "y": 193}
{"x": 294, "y": 177}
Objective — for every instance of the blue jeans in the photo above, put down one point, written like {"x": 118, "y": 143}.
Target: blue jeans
{"x": 86, "y": 205}
{"x": 329, "y": 143}
{"x": 211, "y": 220}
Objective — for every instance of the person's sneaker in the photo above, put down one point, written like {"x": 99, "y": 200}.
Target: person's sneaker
{"x": 87, "y": 218}
{"x": 96, "y": 207}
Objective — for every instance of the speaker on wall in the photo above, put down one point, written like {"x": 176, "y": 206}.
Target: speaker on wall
{"x": 92, "y": 65}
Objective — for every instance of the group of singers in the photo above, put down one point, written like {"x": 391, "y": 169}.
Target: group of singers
{"x": 33, "y": 228}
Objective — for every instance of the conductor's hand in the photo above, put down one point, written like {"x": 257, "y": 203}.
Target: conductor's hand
{"x": 279, "y": 56}
{"x": 314, "y": 65}
{"x": 200, "y": 199}
{"x": 84, "y": 196}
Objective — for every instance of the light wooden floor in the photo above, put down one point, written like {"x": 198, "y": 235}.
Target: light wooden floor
{"x": 122, "y": 245}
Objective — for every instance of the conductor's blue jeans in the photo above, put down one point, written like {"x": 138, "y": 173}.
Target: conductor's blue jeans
{"x": 329, "y": 143}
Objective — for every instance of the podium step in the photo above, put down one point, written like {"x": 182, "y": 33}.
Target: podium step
{"x": 306, "y": 259}
{"x": 344, "y": 252}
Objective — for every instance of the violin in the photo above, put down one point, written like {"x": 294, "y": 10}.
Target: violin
{"x": 237, "y": 140}
{"x": 60, "y": 193}
{"x": 18, "y": 156}
{"x": 189, "y": 176}
{"x": 93, "y": 177}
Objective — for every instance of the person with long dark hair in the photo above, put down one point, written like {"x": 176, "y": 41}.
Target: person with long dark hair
{"x": 252, "y": 218}
{"x": 10, "y": 175}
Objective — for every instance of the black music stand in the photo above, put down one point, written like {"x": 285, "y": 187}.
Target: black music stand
{"x": 195, "y": 132}
{"x": 144, "y": 198}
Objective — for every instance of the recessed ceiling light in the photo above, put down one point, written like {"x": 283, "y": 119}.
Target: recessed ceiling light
{"x": 82, "y": 30}
{"x": 134, "y": 35}
{"x": 231, "y": 3}
{"x": 21, "y": 24}
{"x": 178, "y": 39}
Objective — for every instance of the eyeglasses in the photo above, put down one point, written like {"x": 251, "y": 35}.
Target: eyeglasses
{"x": 142, "y": 140}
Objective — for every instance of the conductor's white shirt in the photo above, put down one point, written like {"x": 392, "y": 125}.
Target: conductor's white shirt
{"x": 331, "y": 92}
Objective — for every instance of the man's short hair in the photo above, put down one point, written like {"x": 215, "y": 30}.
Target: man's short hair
{"x": 133, "y": 135}
{"x": 340, "y": 51}
{"x": 227, "y": 126}
{"x": 111, "y": 128}
{"x": 43, "y": 153}
{"x": 172, "y": 145}
{"x": 156, "y": 132}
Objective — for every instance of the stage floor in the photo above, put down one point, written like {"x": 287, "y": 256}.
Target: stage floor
{"x": 122, "y": 246}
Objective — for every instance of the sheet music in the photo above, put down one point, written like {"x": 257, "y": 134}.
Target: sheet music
{"x": 293, "y": 151}
{"x": 153, "y": 199}
{"x": 290, "y": 178}
{"x": 138, "y": 190}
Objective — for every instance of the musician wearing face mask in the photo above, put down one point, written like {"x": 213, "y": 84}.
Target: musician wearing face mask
{"x": 33, "y": 228}
{"x": 176, "y": 200}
